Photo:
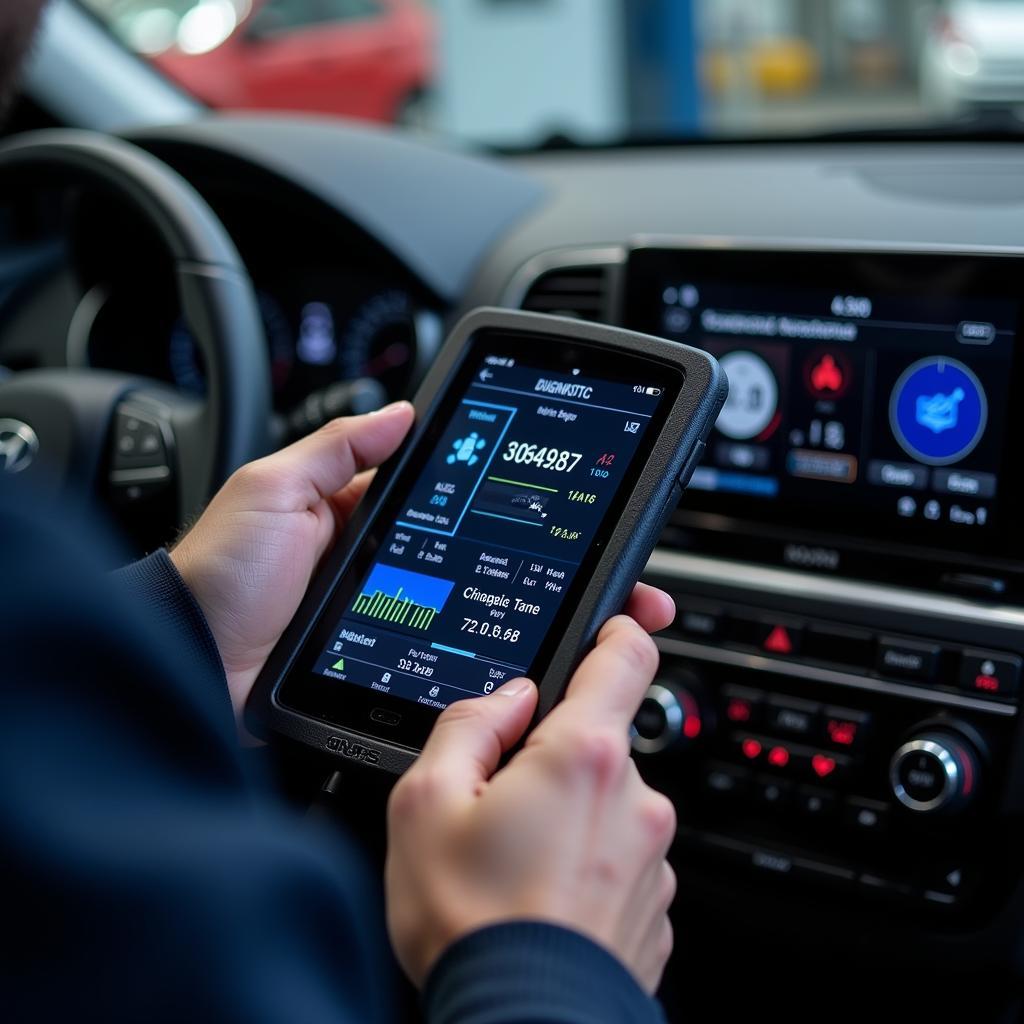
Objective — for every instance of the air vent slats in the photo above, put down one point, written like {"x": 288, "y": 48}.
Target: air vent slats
{"x": 571, "y": 291}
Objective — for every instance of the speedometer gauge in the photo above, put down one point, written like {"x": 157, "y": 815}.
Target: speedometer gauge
{"x": 380, "y": 340}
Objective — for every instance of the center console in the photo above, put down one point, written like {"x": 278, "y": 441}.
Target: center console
{"x": 837, "y": 712}
{"x": 838, "y": 700}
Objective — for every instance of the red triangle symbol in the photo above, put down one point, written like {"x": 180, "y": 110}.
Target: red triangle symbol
{"x": 778, "y": 641}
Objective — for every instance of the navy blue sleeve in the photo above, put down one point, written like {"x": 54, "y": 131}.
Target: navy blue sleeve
{"x": 156, "y": 585}
{"x": 147, "y": 880}
{"x": 528, "y": 972}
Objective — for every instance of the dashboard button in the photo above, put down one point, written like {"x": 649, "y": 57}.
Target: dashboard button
{"x": 996, "y": 675}
{"x": 742, "y": 706}
{"x": 773, "y": 792}
{"x": 825, "y": 767}
{"x": 699, "y": 623}
{"x": 868, "y": 817}
{"x": 778, "y": 637}
{"x": 844, "y": 728}
{"x": 781, "y": 638}
{"x": 908, "y": 659}
{"x": 725, "y": 780}
{"x": 854, "y": 647}
{"x": 792, "y": 717}
{"x": 814, "y": 803}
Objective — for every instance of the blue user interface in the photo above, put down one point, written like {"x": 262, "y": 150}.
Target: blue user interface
{"x": 488, "y": 540}
{"x": 938, "y": 411}
{"x": 887, "y": 406}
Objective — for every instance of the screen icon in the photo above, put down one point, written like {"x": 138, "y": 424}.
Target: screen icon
{"x": 938, "y": 410}
{"x": 828, "y": 374}
{"x": 753, "y": 396}
{"x": 465, "y": 450}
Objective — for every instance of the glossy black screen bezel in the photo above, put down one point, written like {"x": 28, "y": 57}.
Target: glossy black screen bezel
{"x": 994, "y": 276}
{"x": 350, "y": 706}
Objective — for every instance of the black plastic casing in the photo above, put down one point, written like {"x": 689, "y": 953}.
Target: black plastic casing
{"x": 673, "y": 455}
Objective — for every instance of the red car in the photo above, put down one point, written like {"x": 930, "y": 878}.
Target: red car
{"x": 371, "y": 59}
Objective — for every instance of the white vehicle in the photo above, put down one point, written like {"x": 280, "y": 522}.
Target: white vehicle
{"x": 973, "y": 56}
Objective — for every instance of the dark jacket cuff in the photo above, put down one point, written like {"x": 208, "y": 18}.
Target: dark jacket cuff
{"x": 528, "y": 972}
{"x": 157, "y": 585}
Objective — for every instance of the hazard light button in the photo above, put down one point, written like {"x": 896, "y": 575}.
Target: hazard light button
{"x": 779, "y": 637}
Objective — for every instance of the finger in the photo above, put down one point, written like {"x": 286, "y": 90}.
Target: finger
{"x": 470, "y": 737}
{"x": 350, "y": 495}
{"x": 652, "y": 608}
{"x": 327, "y": 460}
{"x": 608, "y": 687}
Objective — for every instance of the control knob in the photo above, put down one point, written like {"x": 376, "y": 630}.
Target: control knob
{"x": 935, "y": 772}
{"x": 670, "y": 716}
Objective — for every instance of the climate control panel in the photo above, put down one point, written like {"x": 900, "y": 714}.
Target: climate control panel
{"x": 867, "y": 755}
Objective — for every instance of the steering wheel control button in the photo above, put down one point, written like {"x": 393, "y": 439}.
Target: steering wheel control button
{"x": 938, "y": 411}
{"x": 908, "y": 659}
{"x": 988, "y": 674}
{"x": 934, "y": 772}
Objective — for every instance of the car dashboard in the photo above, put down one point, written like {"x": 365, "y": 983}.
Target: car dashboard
{"x": 837, "y": 713}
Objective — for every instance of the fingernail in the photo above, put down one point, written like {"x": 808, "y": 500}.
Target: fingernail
{"x": 513, "y": 688}
{"x": 391, "y": 407}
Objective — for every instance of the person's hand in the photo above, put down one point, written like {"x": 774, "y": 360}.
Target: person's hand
{"x": 249, "y": 558}
{"x": 567, "y": 832}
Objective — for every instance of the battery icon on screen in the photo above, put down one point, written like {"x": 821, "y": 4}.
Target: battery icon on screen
{"x": 653, "y": 392}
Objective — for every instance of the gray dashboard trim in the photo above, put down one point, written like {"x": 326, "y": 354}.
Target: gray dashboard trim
{"x": 766, "y": 581}
{"x": 438, "y": 211}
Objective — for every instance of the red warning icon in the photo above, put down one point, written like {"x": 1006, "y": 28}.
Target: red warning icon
{"x": 779, "y": 641}
{"x": 828, "y": 374}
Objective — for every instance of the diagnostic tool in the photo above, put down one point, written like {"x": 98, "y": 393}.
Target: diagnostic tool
{"x": 546, "y": 457}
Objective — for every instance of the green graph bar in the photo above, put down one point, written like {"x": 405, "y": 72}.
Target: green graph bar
{"x": 394, "y": 608}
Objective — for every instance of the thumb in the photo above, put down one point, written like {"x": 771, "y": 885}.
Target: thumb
{"x": 470, "y": 737}
{"x": 325, "y": 461}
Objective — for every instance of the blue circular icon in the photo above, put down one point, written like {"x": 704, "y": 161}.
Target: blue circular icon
{"x": 938, "y": 410}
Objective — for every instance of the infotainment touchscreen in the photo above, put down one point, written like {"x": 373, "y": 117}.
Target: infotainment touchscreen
{"x": 871, "y": 395}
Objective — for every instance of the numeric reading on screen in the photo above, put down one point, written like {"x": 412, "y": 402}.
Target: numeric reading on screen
{"x": 486, "y": 542}
{"x": 524, "y": 453}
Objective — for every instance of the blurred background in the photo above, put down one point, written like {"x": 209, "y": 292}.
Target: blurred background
{"x": 525, "y": 73}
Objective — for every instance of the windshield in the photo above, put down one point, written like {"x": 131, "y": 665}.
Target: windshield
{"x": 529, "y": 73}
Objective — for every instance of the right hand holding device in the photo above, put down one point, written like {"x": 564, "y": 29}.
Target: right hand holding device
{"x": 567, "y": 832}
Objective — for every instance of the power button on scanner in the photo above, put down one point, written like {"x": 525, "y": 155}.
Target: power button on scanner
{"x": 691, "y": 463}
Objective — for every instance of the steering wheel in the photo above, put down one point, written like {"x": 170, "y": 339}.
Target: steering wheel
{"x": 89, "y": 433}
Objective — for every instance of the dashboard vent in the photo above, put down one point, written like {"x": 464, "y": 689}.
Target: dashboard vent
{"x": 580, "y": 292}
